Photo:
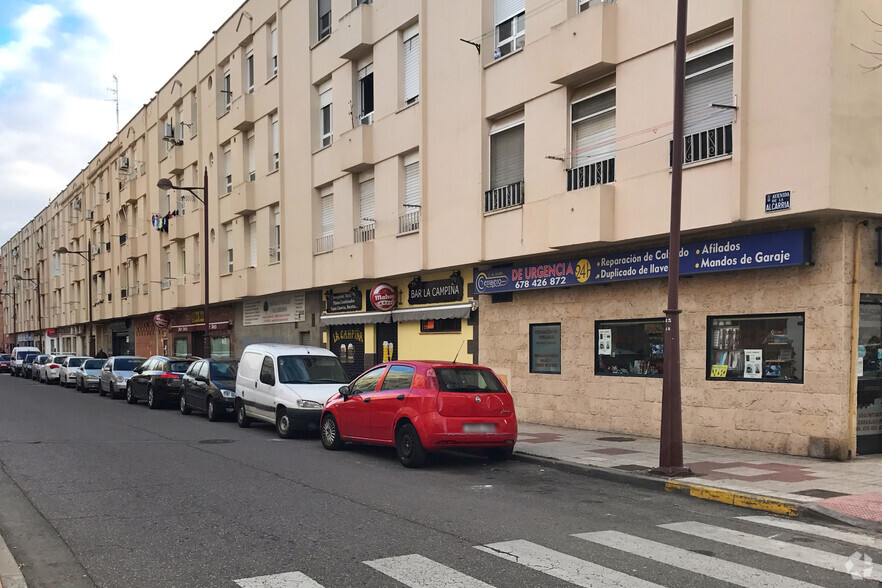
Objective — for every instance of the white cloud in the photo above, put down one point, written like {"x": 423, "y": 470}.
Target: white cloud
{"x": 32, "y": 30}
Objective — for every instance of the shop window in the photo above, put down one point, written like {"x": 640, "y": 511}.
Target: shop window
{"x": 181, "y": 346}
{"x": 768, "y": 347}
{"x": 220, "y": 347}
{"x": 545, "y": 348}
{"x": 633, "y": 348}
{"x": 453, "y": 325}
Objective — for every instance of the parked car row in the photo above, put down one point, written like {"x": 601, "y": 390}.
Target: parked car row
{"x": 415, "y": 406}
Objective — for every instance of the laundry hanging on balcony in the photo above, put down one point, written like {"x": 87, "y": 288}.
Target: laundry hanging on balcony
{"x": 160, "y": 221}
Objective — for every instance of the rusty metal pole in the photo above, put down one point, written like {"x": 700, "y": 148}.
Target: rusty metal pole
{"x": 670, "y": 460}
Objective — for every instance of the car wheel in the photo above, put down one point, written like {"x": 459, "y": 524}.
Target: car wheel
{"x": 100, "y": 388}
{"x": 411, "y": 452}
{"x": 331, "y": 434}
{"x": 242, "y": 419}
{"x": 283, "y": 424}
{"x": 211, "y": 411}
{"x": 184, "y": 408}
{"x": 130, "y": 394}
{"x": 81, "y": 387}
{"x": 499, "y": 453}
{"x": 152, "y": 400}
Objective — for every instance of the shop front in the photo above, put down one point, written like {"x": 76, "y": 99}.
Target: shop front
{"x": 418, "y": 317}
{"x": 122, "y": 337}
{"x": 71, "y": 339}
{"x": 186, "y": 333}
{"x": 764, "y": 331}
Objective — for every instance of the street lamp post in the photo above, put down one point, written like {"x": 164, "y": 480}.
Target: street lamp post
{"x": 165, "y": 184}
{"x": 36, "y": 283}
{"x": 14, "y": 312}
{"x": 87, "y": 255}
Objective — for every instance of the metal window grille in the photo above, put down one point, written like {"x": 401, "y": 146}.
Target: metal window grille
{"x": 705, "y": 145}
{"x": 504, "y": 197}
{"x": 600, "y": 172}
{"x": 409, "y": 222}
{"x": 324, "y": 244}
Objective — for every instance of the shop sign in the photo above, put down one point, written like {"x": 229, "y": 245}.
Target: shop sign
{"x": 219, "y": 326}
{"x": 545, "y": 354}
{"x": 343, "y": 301}
{"x": 51, "y": 332}
{"x": 197, "y": 316}
{"x": 435, "y": 291}
{"x": 778, "y": 201}
{"x": 383, "y": 297}
{"x": 779, "y": 249}
{"x": 160, "y": 320}
{"x": 869, "y": 418}
{"x": 285, "y": 308}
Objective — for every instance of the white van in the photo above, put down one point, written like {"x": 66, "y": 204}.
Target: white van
{"x": 286, "y": 385}
{"x": 18, "y": 355}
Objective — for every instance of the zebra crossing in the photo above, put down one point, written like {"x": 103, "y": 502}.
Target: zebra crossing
{"x": 419, "y": 571}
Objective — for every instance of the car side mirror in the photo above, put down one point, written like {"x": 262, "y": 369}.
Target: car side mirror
{"x": 138, "y": 370}
{"x": 345, "y": 392}
{"x": 267, "y": 379}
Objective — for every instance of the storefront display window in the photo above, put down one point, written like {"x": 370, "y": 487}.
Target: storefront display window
{"x": 181, "y": 346}
{"x": 767, "y": 347}
{"x": 545, "y": 348}
{"x": 453, "y": 325}
{"x": 633, "y": 348}
{"x": 220, "y": 347}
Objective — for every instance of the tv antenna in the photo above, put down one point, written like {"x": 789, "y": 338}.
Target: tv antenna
{"x": 115, "y": 92}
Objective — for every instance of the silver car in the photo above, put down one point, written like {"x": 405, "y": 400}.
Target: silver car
{"x": 88, "y": 373}
{"x": 116, "y": 373}
{"x": 67, "y": 375}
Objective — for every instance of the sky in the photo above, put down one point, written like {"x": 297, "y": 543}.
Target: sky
{"x": 57, "y": 62}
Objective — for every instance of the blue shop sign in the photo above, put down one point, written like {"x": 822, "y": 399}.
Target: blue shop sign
{"x": 778, "y": 201}
{"x": 782, "y": 248}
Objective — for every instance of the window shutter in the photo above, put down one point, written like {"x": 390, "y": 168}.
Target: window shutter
{"x": 506, "y": 9}
{"x": 324, "y": 7}
{"x": 325, "y": 98}
{"x": 412, "y": 184}
{"x": 507, "y": 157}
{"x": 711, "y": 86}
{"x": 328, "y": 215}
{"x": 367, "y": 202}
{"x": 594, "y": 137}
{"x": 411, "y": 68}
{"x": 228, "y": 163}
{"x": 250, "y": 146}
{"x": 252, "y": 240}
{"x": 274, "y": 164}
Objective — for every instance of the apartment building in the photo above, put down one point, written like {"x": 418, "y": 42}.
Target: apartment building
{"x": 490, "y": 181}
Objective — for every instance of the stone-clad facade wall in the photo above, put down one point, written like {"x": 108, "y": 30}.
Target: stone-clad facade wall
{"x": 802, "y": 419}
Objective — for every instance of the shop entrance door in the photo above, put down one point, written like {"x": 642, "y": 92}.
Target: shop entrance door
{"x": 869, "y": 375}
{"x": 198, "y": 347}
{"x": 387, "y": 342}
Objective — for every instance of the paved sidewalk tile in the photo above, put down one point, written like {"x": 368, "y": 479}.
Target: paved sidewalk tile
{"x": 862, "y": 506}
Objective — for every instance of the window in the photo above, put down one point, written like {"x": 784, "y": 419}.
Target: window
{"x": 756, "y": 347}
{"x": 410, "y": 220}
{"x": 452, "y": 325}
{"x": 181, "y": 346}
{"x": 506, "y": 168}
{"x": 220, "y": 347}
{"x": 183, "y": 263}
{"x": 326, "y": 132}
{"x": 225, "y": 89}
{"x": 508, "y": 16}
{"x": 629, "y": 347}
{"x": 274, "y": 123}
{"x": 228, "y": 170}
{"x": 194, "y": 114}
{"x": 249, "y": 69}
{"x": 274, "y": 51}
{"x": 228, "y": 229}
{"x": 399, "y": 377}
{"x": 311, "y": 369}
{"x": 366, "y": 223}
{"x": 586, "y": 4}
{"x": 411, "y": 64}
{"x": 268, "y": 370}
{"x": 275, "y": 235}
{"x": 250, "y": 157}
{"x": 707, "y": 129}
{"x": 368, "y": 382}
{"x": 252, "y": 240}
{"x": 324, "y": 19}
{"x": 326, "y": 241}
{"x": 545, "y": 357}
{"x": 593, "y": 156}
{"x": 366, "y": 94}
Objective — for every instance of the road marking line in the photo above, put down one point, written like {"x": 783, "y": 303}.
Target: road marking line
{"x": 806, "y": 555}
{"x": 706, "y": 565}
{"x": 560, "y": 565}
{"x": 848, "y": 537}
{"x": 417, "y": 571}
{"x": 286, "y": 580}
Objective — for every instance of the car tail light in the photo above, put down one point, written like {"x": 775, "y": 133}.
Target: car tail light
{"x": 432, "y": 380}
{"x": 170, "y": 376}
{"x": 53, "y": 366}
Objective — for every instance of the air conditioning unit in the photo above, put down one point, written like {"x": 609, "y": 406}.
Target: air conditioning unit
{"x": 90, "y": 214}
{"x": 122, "y": 164}
{"x": 168, "y": 133}
{"x": 96, "y": 249}
{"x": 77, "y": 204}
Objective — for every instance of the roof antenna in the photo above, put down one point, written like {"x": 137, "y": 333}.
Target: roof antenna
{"x": 460, "y": 349}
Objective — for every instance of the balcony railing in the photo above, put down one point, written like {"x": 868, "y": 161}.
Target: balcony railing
{"x": 599, "y": 172}
{"x": 409, "y": 222}
{"x": 704, "y": 145}
{"x": 365, "y": 232}
{"x": 324, "y": 244}
{"x": 504, "y": 197}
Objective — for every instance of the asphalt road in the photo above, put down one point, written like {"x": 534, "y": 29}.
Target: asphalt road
{"x": 96, "y": 492}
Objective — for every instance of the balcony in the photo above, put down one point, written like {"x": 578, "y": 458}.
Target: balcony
{"x": 243, "y": 199}
{"x": 409, "y": 222}
{"x": 355, "y": 31}
{"x": 176, "y": 160}
{"x": 365, "y": 232}
{"x": 177, "y": 229}
{"x": 705, "y": 145}
{"x": 324, "y": 244}
{"x": 356, "y": 149}
{"x": 245, "y": 282}
{"x": 241, "y": 114}
{"x": 136, "y": 247}
{"x": 504, "y": 197}
{"x": 592, "y": 174}
{"x": 581, "y": 216}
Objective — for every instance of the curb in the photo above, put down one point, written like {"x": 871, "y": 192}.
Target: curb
{"x": 822, "y": 513}
{"x": 10, "y": 573}
{"x": 700, "y": 491}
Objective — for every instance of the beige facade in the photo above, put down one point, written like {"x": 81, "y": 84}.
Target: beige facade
{"x": 371, "y": 144}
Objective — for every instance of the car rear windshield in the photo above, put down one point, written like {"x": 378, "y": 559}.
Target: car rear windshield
{"x": 468, "y": 380}
{"x": 311, "y": 369}
{"x": 224, "y": 371}
{"x": 93, "y": 364}
{"x": 125, "y": 364}
{"x": 5, "y": 357}
{"x": 75, "y": 361}
{"x": 179, "y": 366}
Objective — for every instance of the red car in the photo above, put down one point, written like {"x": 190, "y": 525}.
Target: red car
{"x": 422, "y": 406}
{"x": 5, "y": 363}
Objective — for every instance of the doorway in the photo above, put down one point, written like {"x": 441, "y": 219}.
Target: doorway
{"x": 387, "y": 342}
{"x": 869, "y": 375}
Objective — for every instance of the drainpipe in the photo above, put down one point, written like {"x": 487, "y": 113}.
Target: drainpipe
{"x": 855, "y": 324}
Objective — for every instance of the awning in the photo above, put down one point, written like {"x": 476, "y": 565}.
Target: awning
{"x": 356, "y": 318}
{"x": 439, "y": 311}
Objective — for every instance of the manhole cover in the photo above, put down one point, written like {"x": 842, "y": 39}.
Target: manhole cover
{"x": 217, "y": 441}
{"x": 616, "y": 439}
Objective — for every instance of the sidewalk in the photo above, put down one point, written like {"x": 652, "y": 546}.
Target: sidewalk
{"x": 850, "y": 492}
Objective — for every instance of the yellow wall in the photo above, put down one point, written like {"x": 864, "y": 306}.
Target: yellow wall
{"x": 442, "y": 346}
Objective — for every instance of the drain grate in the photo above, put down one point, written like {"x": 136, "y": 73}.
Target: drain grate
{"x": 817, "y": 493}
{"x": 217, "y": 441}
{"x": 616, "y": 439}
{"x": 630, "y": 467}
